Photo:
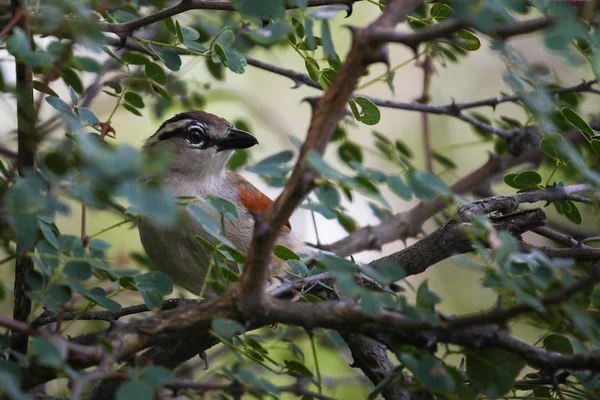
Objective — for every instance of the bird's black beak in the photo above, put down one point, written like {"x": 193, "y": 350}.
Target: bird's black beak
{"x": 235, "y": 139}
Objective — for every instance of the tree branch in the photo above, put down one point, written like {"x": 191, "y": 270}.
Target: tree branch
{"x": 574, "y": 253}
{"x": 126, "y": 29}
{"x": 326, "y": 114}
{"x": 452, "y": 110}
{"x": 452, "y": 26}
{"x": 237, "y": 389}
{"x": 27, "y": 143}
{"x": 407, "y": 224}
{"x": 453, "y": 238}
{"x": 49, "y": 317}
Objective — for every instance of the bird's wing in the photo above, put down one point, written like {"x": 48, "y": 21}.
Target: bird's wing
{"x": 253, "y": 199}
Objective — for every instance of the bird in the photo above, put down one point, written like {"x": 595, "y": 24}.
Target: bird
{"x": 201, "y": 145}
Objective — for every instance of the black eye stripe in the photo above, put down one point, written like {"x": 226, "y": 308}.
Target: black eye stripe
{"x": 182, "y": 131}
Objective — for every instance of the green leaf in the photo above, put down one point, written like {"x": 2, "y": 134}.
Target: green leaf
{"x": 316, "y": 161}
{"x": 47, "y": 353}
{"x": 26, "y": 229}
{"x": 298, "y": 267}
{"x": 132, "y": 109}
{"x": 72, "y": 95}
{"x": 134, "y": 390}
{"x": 440, "y": 12}
{"x": 551, "y": 146}
{"x": 369, "y": 303}
{"x": 390, "y": 271}
{"x": 328, "y": 195}
{"x": 578, "y": 122}
{"x": 58, "y": 104}
{"x": 595, "y": 144}
{"x": 18, "y": 43}
{"x": 195, "y": 46}
{"x": 59, "y": 293}
{"x": 152, "y": 298}
{"x": 189, "y": 34}
{"x": 468, "y": 41}
{"x": 492, "y": 371}
{"x": 87, "y": 116}
{"x": 11, "y": 369}
{"x": 444, "y": 161}
{"x": 270, "y": 34}
{"x": 88, "y": 64}
{"x": 326, "y": 212}
{"x": 236, "y": 61}
{"x": 298, "y": 27}
{"x": 155, "y": 280}
{"x": 267, "y": 9}
{"x": 223, "y": 206}
{"x": 34, "y": 280}
{"x": 558, "y": 344}
{"x": 134, "y": 99}
{"x": 301, "y": 4}
{"x": 327, "y": 41}
{"x": 219, "y": 53}
{"x": 527, "y": 180}
{"x": 350, "y": 151}
{"x": 225, "y": 38}
{"x": 284, "y": 253}
{"x": 312, "y": 67}
{"x": 397, "y": 185}
{"x": 573, "y": 214}
{"x": 156, "y": 73}
{"x": 297, "y": 369}
{"x": 426, "y": 186}
{"x": 49, "y": 234}
{"x": 208, "y": 223}
{"x": 226, "y": 328}
{"x": 80, "y": 270}
{"x": 347, "y": 222}
{"x": 72, "y": 78}
{"x": 425, "y": 297}
{"x": 328, "y": 12}
{"x": 156, "y": 376}
{"x": 273, "y": 162}
{"x": 171, "y": 59}
{"x": 99, "y": 244}
{"x": 169, "y": 24}
{"x": 98, "y": 295}
{"x": 369, "y": 113}
{"x": 311, "y": 42}
{"x": 43, "y": 88}
{"x": 430, "y": 372}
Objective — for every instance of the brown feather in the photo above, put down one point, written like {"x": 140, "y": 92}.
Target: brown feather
{"x": 253, "y": 199}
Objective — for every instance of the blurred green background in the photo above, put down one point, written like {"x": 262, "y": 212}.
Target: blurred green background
{"x": 274, "y": 111}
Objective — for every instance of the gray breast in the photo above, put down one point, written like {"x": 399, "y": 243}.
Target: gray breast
{"x": 175, "y": 252}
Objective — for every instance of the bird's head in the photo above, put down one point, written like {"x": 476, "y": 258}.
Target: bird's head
{"x": 201, "y": 143}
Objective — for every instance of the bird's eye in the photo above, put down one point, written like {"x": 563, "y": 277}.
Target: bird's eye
{"x": 195, "y": 137}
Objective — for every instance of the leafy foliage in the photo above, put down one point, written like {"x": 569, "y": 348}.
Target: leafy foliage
{"x": 82, "y": 165}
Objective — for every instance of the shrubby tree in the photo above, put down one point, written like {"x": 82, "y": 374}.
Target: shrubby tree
{"x": 407, "y": 349}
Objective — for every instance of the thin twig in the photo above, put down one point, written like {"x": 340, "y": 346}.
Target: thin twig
{"x": 126, "y": 29}
{"x": 427, "y": 66}
{"x": 20, "y": 13}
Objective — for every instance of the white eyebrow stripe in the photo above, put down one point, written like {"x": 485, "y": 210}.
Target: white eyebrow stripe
{"x": 197, "y": 125}
{"x": 172, "y": 126}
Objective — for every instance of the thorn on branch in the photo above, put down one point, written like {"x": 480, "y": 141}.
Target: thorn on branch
{"x": 105, "y": 128}
{"x": 313, "y": 102}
